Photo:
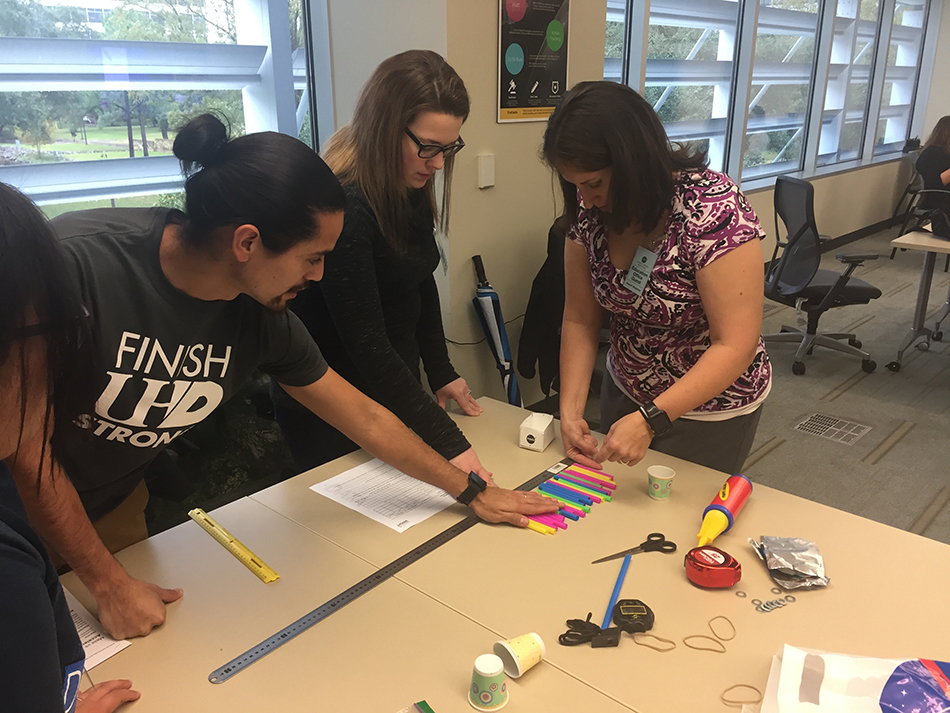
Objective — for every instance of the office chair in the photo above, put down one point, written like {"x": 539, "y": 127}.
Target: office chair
{"x": 794, "y": 278}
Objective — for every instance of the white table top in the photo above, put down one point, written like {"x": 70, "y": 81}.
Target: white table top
{"x": 922, "y": 240}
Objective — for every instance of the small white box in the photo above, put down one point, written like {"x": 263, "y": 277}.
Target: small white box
{"x": 537, "y": 431}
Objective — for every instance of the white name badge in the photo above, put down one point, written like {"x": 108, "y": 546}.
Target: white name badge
{"x": 639, "y": 273}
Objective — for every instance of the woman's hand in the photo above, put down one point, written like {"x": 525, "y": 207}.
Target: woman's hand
{"x": 106, "y": 697}
{"x": 458, "y": 391}
{"x": 468, "y": 462}
{"x": 626, "y": 441}
{"x": 579, "y": 444}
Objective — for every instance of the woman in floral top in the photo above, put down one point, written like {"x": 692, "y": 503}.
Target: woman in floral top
{"x": 671, "y": 250}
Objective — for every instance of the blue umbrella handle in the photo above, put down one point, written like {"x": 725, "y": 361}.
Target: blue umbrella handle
{"x": 480, "y": 271}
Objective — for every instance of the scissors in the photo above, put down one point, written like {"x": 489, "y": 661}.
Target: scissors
{"x": 655, "y": 542}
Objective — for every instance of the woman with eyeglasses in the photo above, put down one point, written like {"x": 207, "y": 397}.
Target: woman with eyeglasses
{"x": 376, "y": 314}
{"x": 42, "y": 367}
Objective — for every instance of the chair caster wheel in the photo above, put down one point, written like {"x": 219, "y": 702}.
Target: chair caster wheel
{"x": 894, "y": 365}
{"x": 923, "y": 346}
{"x": 937, "y": 336}
{"x": 798, "y": 368}
{"x": 869, "y": 365}
{"x": 856, "y": 343}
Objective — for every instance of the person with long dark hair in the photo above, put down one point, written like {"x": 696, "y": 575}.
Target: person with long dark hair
{"x": 44, "y": 359}
{"x": 933, "y": 164}
{"x": 184, "y": 307}
{"x": 376, "y": 314}
{"x": 672, "y": 251}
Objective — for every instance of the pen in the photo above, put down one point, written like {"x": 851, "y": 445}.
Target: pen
{"x": 616, "y": 593}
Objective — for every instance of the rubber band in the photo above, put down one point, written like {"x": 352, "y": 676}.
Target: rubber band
{"x": 728, "y": 621}
{"x": 637, "y": 641}
{"x": 717, "y": 642}
{"x": 737, "y": 703}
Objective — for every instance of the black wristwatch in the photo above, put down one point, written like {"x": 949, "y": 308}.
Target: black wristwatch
{"x": 656, "y": 419}
{"x": 475, "y": 486}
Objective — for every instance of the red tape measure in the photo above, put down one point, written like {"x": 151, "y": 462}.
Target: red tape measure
{"x": 710, "y": 567}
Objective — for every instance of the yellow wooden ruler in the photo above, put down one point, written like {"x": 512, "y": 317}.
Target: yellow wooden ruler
{"x": 233, "y": 545}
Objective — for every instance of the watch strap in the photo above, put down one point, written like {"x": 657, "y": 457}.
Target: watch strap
{"x": 475, "y": 486}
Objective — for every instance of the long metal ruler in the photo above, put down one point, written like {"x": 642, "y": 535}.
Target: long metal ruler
{"x": 251, "y": 656}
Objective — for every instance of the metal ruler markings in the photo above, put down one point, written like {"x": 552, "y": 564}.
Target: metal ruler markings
{"x": 239, "y": 663}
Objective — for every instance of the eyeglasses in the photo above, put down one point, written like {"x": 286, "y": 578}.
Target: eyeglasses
{"x": 433, "y": 150}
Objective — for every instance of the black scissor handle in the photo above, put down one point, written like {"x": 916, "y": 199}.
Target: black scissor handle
{"x": 657, "y": 542}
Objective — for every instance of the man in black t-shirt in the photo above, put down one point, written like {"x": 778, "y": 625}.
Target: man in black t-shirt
{"x": 177, "y": 329}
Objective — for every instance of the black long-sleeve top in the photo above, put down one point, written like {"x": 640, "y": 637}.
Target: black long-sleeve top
{"x": 376, "y": 314}
{"x": 930, "y": 164}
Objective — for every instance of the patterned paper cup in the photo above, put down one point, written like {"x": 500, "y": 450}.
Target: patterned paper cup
{"x": 520, "y": 653}
{"x": 660, "y": 481}
{"x": 489, "y": 689}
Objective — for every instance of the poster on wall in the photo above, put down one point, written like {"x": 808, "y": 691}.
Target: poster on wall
{"x": 532, "y": 58}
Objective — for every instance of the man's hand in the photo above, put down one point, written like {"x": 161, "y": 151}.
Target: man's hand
{"x": 132, "y": 607}
{"x": 511, "y": 506}
{"x": 626, "y": 441}
{"x": 458, "y": 391}
{"x": 468, "y": 462}
{"x": 106, "y": 697}
{"x": 579, "y": 444}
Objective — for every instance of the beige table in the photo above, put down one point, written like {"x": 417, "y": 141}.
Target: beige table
{"x": 925, "y": 242}
{"x": 388, "y": 649}
{"x": 416, "y": 636}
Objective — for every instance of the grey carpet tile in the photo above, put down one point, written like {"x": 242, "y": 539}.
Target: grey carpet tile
{"x": 897, "y": 473}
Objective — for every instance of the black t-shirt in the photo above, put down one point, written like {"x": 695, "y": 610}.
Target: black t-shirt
{"x": 930, "y": 164}
{"x": 376, "y": 314}
{"x": 41, "y": 657}
{"x": 165, "y": 360}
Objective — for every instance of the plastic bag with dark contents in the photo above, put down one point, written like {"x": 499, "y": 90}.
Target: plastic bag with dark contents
{"x": 793, "y": 563}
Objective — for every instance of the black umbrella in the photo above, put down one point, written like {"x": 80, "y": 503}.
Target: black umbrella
{"x": 488, "y": 309}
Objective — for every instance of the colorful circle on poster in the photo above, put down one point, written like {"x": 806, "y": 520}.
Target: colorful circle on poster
{"x": 514, "y": 58}
{"x": 555, "y": 35}
{"x": 516, "y": 9}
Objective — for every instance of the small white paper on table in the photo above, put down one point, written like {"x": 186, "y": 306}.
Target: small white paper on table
{"x": 385, "y": 494}
{"x": 97, "y": 644}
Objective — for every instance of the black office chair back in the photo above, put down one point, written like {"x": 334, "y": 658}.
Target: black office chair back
{"x": 792, "y": 271}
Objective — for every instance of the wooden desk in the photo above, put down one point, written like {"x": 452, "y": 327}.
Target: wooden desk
{"x": 931, "y": 246}
{"x": 417, "y": 635}
{"x": 386, "y": 650}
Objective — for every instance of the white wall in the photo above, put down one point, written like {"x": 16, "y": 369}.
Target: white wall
{"x": 365, "y": 32}
{"x": 938, "y": 101}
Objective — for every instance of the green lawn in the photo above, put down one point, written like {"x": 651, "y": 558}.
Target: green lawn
{"x": 103, "y": 142}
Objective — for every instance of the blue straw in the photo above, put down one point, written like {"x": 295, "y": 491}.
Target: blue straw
{"x": 616, "y": 593}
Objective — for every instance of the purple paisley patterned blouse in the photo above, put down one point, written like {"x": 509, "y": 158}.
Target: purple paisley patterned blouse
{"x": 657, "y": 337}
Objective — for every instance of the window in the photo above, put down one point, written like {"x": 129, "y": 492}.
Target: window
{"x": 845, "y": 112}
{"x": 900, "y": 75}
{"x": 781, "y": 82}
{"x": 690, "y": 55}
{"x": 774, "y": 86}
{"x": 90, "y": 98}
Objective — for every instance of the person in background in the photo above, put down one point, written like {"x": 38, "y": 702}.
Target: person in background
{"x": 671, "y": 250}
{"x": 184, "y": 307}
{"x": 43, "y": 356}
{"x": 376, "y": 314}
{"x": 933, "y": 164}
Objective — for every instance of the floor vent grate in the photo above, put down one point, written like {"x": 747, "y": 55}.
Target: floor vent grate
{"x": 834, "y": 429}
